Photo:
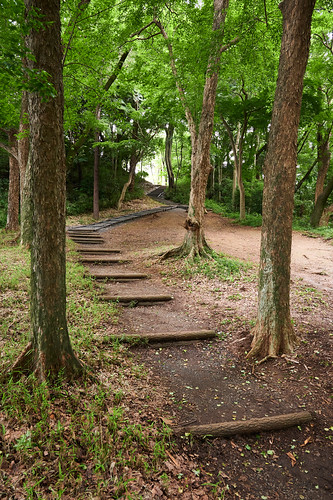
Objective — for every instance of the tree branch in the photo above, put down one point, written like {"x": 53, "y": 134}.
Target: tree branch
{"x": 11, "y": 151}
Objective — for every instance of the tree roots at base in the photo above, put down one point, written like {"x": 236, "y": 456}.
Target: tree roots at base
{"x": 25, "y": 365}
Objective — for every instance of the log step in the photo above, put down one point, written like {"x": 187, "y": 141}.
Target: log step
{"x": 83, "y": 233}
{"x": 119, "y": 276}
{"x": 98, "y": 250}
{"x": 137, "y": 299}
{"x": 250, "y": 426}
{"x": 86, "y": 241}
{"x": 169, "y": 336}
{"x": 102, "y": 260}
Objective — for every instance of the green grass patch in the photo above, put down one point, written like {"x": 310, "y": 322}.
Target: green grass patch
{"x": 254, "y": 220}
{"x": 219, "y": 266}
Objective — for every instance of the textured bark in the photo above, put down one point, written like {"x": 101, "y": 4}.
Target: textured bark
{"x": 273, "y": 333}
{"x": 14, "y": 185}
{"x": 51, "y": 346}
{"x": 250, "y": 426}
{"x": 167, "y": 156}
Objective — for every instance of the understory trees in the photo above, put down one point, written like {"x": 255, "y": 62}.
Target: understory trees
{"x": 274, "y": 333}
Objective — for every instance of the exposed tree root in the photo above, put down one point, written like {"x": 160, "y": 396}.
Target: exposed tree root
{"x": 270, "y": 343}
{"x": 25, "y": 365}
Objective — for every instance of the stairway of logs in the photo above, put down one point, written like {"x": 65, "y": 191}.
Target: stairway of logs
{"x": 92, "y": 252}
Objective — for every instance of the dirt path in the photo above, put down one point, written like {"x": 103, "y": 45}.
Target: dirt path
{"x": 211, "y": 381}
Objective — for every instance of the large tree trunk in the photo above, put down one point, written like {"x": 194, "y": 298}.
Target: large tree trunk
{"x": 51, "y": 349}
{"x": 273, "y": 333}
{"x": 167, "y": 157}
{"x": 14, "y": 185}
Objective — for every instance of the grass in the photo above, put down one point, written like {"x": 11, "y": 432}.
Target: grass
{"x": 220, "y": 266}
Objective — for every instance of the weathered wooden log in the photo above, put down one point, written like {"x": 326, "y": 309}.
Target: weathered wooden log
{"x": 137, "y": 298}
{"x": 250, "y": 426}
{"x": 169, "y": 336}
{"x": 88, "y": 242}
{"x": 98, "y": 259}
{"x": 98, "y": 250}
{"x": 119, "y": 276}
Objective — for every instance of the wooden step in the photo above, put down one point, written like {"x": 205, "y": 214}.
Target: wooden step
{"x": 169, "y": 336}
{"x": 137, "y": 299}
{"x": 83, "y": 233}
{"x": 98, "y": 250}
{"x": 119, "y": 276}
{"x": 98, "y": 259}
{"x": 88, "y": 241}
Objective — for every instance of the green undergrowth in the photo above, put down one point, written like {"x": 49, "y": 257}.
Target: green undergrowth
{"x": 254, "y": 220}
{"x": 219, "y": 266}
{"x": 87, "y": 439}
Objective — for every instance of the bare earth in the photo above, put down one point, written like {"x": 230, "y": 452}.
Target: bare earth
{"x": 211, "y": 381}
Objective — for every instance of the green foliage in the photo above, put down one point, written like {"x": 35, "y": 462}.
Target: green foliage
{"x": 181, "y": 193}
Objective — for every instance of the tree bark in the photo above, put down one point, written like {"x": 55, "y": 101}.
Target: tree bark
{"x": 274, "y": 333}
{"x": 51, "y": 347}
{"x": 167, "y": 156}
{"x": 14, "y": 185}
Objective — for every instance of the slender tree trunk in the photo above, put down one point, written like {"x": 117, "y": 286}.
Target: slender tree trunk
{"x": 167, "y": 157}
{"x": 96, "y": 170}
{"x": 14, "y": 185}
{"x": 51, "y": 350}
{"x": 273, "y": 333}
{"x": 324, "y": 158}
{"x": 133, "y": 163}
{"x": 320, "y": 204}
{"x": 25, "y": 173}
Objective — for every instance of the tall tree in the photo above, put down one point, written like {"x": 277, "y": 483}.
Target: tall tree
{"x": 274, "y": 333}
{"x": 201, "y": 134}
{"x": 50, "y": 350}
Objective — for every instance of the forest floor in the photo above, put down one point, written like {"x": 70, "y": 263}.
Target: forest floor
{"x": 211, "y": 381}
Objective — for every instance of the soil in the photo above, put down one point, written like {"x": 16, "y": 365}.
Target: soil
{"x": 211, "y": 381}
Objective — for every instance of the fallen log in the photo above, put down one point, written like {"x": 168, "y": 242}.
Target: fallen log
{"x": 168, "y": 336}
{"x": 137, "y": 298}
{"x": 250, "y": 426}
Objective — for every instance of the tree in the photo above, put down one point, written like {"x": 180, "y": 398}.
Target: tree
{"x": 50, "y": 350}
{"x": 274, "y": 333}
{"x": 14, "y": 184}
{"x": 201, "y": 134}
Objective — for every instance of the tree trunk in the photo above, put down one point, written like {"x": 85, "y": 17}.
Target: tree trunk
{"x": 167, "y": 157}
{"x": 324, "y": 157}
{"x": 96, "y": 170}
{"x": 194, "y": 241}
{"x": 320, "y": 204}
{"x": 273, "y": 333}
{"x": 25, "y": 173}
{"x": 133, "y": 163}
{"x": 51, "y": 348}
{"x": 14, "y": 185}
